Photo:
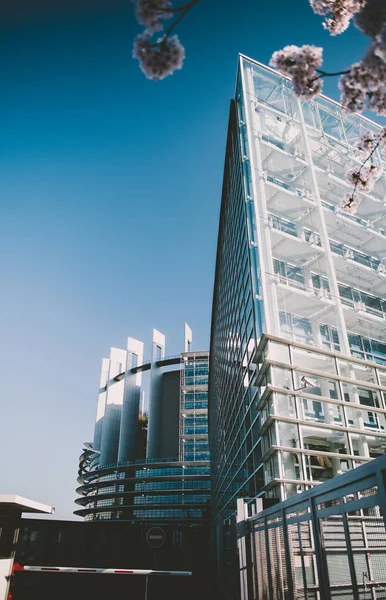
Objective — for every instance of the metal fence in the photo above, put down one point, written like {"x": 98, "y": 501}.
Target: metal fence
{"x": 328, "y": 543}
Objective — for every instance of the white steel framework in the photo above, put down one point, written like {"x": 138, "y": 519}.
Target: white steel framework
{"x": 317, "y": 263}
{"x": 298, "y": 342}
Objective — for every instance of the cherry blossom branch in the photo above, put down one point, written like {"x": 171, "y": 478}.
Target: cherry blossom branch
{"x": 359, "y": 172}
{"x": 186, "y": 7}
{"x": 337, "y": 13}
{"x": 363, "y": 85}
{"x": 364, "y": 178}
{"x": 326, "y": 74}
{"x": 184, "y": 12}
{"x": 161, "y": 57}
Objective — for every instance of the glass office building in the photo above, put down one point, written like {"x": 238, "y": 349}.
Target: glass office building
{"x": 159, "y": 472}
{"x": 297, "y": 387}
{"x": 193, "y": 436}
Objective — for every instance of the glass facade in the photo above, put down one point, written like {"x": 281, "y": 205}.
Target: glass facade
{"x": 321, "y": 414}
{"x": 298, "y": 340}
{"x": 145, "y": 490}
{"x": 194, "y": 443}
{"x": 164, "y": 488}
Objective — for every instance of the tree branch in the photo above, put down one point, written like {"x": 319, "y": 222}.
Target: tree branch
{"x": 184, "y": 7}
{"x": 326, "y": 74}
{"x": 360, "y": 169}
{"x": 185, "y": 10}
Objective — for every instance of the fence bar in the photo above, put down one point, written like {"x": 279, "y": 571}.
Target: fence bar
{"x": 350, "y": 558}
{"x": 269, "y": 565}
{"x": 287, "y": 553}
{"x": 241, "y": 517}
{"x": 147, "y": 572}
{"x": 324, "y": 585}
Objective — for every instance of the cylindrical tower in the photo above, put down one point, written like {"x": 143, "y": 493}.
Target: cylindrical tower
{"x": 131, "y": 401}
{"x": 155, "y": 400}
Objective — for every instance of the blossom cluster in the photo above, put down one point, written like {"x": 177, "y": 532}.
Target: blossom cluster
{"x": 150, "y": 12}
{"x": 349, "y": 203}
{"x": 341, "y": 12}
{"x": 370, "y": 140}
{"x": 364, "y": 177}
{"x": 160, "y": 59}
{"x": 367, "y": 142}
{"x": 381, "y": 137}
{"x": 363, "y": 84}
{"x": 301, "y": 65}
{"x": 371, "y": 18}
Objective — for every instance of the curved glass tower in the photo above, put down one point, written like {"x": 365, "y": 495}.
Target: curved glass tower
{"x": 157, "y": 469}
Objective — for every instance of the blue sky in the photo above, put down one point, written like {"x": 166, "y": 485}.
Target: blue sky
{"x": 110, "y": 189}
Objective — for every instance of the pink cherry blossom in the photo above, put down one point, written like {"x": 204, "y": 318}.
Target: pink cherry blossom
{"x": 353, "y": 86}
{"x": 380, "y": 44}
{"x": 377, "y": 100}
{"x": 364, "y": 177}
{"x": 149, "y": 13}
{"x": 365, "y": 82}
{"x": 300, "y": 64}
{"x": 371, "y": 17}
{"x": 341, "y": 12}
{"x": 382, "y": 140}
{"x": 349, "y": 204}
{"x": 160, "y": 59}
{"x": 367, "y": 142}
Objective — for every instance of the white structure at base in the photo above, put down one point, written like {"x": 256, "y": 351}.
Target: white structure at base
{"x": 11, "y": 509}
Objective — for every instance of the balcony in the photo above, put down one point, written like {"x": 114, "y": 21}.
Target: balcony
{"x": 296, "y": 298}
{"x": 365, "y": 314}
{"x": 285, "y": 242}
{"x": 352, "y": 266}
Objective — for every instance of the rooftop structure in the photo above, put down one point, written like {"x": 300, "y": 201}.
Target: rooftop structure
{"x": 12, "y": 503}
{"x": 12, "y": 507}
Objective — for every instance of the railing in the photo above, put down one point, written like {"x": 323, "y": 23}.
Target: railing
{"x": 171, "y": 357}
{"x": 328, "y": 543}
{"x": 146, "y": 461}
{"x": 306, "y": 194}
{"x": 321, "y": 293}
{"x": 336, "y": 247}
{"x": 278, "y": 143}
{"x": 139, "y": 461}
{"x": 351, "y": 254}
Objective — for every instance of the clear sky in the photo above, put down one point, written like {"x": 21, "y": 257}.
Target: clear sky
{"x": 110, "y": 189}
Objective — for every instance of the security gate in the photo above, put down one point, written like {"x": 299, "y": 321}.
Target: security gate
{"x": 37, "y": 581}
{"x": 328, "y": 543}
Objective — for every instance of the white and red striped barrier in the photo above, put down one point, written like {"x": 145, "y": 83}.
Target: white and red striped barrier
{"x": 100, "y": 571}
